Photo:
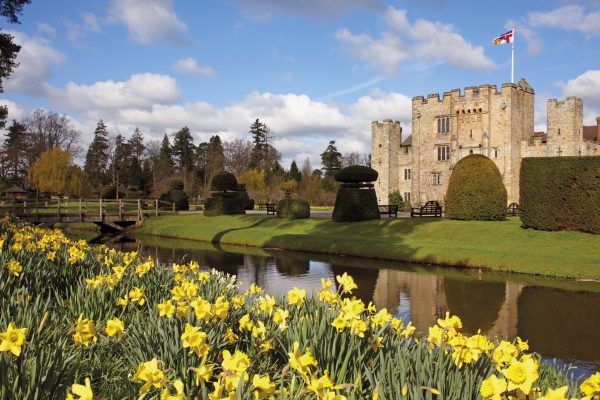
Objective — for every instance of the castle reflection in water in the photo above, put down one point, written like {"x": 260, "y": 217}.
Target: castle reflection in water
{"x": 557, "y": 321}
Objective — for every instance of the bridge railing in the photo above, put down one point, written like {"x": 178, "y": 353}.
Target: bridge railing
{"x": 60, "y": 209}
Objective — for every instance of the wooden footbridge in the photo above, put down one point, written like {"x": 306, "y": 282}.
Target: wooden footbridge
{"x": 109, "y": 215}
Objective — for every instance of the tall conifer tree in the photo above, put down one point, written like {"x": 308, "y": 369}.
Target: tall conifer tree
{"x": 97, "y": 158}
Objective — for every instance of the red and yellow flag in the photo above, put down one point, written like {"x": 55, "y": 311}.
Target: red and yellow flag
{"x": 504, "y": 38}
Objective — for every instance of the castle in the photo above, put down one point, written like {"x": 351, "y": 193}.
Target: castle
{"x": 483, "y": 120}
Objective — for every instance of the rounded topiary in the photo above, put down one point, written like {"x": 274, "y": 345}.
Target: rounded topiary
{"x": 354, "y": 204}
{"x": 176, "y": 184}
{"x": 293, "y": 209}
{"x": 476, "y": 191}
{"x": 179, "y": 197}
{"x": 356, "y": 174}
{"x": 248, "y": 202}
{"x": 223, "y": 182}
{"x": 224, "y": 204}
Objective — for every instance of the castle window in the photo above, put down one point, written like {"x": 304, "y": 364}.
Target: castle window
{"x": 496, "y": 153}
{"x": 443, "y": 125}
{"x": 406, "y": 196}
{"x": 443, "y": 153}
{"x": 436, "y": 178}
{"x": 379, "y": 145}
{"x": 407, "y": 174}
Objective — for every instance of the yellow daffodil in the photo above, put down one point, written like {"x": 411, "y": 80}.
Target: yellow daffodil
{"x": 14, "y": 267}
{"x": 237, "y": 363}
{"x": 151, "y": 375}
{"x": 279, "y": 317}
{"x": 246, "y": 323}
{"x": 83, "y": 391}
{"x": 178, "y": 385}
{"x": 115, "y": 327}
{"x": 231, "y": 337}
{"x": 493, "y": 387}
{"x": 556, "y": 394}
{"x": 221, "y": 308}
{"x": 301, "y": 362}
{"x": 266, "y": 304}
{"x": 13, "y": 339}
{"x": 262, "y": 387}
{"x": 346, "y": 282}
{"x": 84, "y": 332}
{"x": 195, "y": 339}
{"x": 166, "y": 309}
{"x": 203, "y": 374}
{"x": 201, "y": 308}
{"x": 296, "y": 296}
{"x": 591, "y": 386}
{"x": 504, "y": 353}
{"x": 521, "y": 374}
{"x": 137, "y": 295}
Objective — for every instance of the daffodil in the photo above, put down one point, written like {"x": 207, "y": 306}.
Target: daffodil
{"x": 556, "y": 394}
{"x": 301, "y": 362}
{"x": 152, "y": 376}
{"x": 591, "y": 386}
{"x": 279, "y": 317}
{"x": 346, "y": 282}
{"x": 262, "y": 387}
{"x": 137, "y": 295}
{"x": 14, "y": 267}
{"x": 178, "y": 385}
{"x": 83, "y": 391}
{"x": 266, "y": 304}
{"x": 493, "y": 388}
{"x": 195, "y": 339}
{"x": 203, "y": 374}
{"x": 521, "y": 374}
{"x": 296, "y": 296}
{"x": 166, "y": 309}
{"x": 13, "y": 339}
{"x": 115, "y": 327}
{"x": 221, "y": 308}
{"x": 84, "y": 332}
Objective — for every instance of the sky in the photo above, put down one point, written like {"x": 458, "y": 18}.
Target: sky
{"x": 312, "y": 70}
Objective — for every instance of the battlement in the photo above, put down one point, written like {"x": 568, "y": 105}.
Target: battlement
{"x": 571, "y": 100}
{"x": 472, "y": 92}
{"x": 386, "y": 122}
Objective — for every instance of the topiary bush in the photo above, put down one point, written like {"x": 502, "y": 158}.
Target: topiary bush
{"x": 222, "y": 203}
{"x": 223, "y": 182}
{"x": 176, "y": 195}
{"x": 356, "y": 174}
{"x": 560, "y": 193}
{"x": 176, "y": 184}
{"x": 476, "y": 191}
{"x": 395, "y": 199}
{"x": 356, "y": 199}
{"x": 293, "y": 209}
{"x": 248, "y": 202}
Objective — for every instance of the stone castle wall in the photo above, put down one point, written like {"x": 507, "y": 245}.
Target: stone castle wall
{"x": 496, "y": 123}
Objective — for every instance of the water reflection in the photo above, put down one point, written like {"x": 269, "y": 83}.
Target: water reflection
{"x": 559, "y": 318}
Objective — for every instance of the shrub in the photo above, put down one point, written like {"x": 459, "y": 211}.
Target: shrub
{"x": 355, "y": 174}
{"x": 476, "y": 191}
{"x": 223, "y": 182}
{"x": 560, "y": 193}
{"x": 395, "y": 199}
{"x": 248, "y": 202}
{"x": 354, "y": 204}
{"x": 176, "y": 184}
{"x": 108, "y": 192}
{"x": 224, "y": 204}
{"x": 293, "y": 209}
{"x": 179, "y": 197}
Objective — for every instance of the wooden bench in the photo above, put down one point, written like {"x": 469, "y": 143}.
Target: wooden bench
{"x": 431, "y": 209}
{"x": 389, "y": 209}
{"x": 512, "y": 209}
{"x": 270, "y": 208}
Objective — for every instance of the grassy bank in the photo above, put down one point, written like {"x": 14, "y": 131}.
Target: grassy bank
{"x": 502, "y": 246}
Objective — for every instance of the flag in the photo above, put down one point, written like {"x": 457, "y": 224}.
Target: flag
{"x": 504, "y": 38}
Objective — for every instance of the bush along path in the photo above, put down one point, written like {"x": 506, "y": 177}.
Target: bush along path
{"x": 84, "y": 323}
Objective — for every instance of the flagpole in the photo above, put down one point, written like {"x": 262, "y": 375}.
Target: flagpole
{"x": 512, "y": 69}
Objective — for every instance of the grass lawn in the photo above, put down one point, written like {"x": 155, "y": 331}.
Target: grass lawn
{"x": 502, "y": 246}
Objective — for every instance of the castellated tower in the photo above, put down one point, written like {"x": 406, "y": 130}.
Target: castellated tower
{"x": 482, "y": 120}
{"x": 386, "y": 138}
{"x": 565, "y": 124}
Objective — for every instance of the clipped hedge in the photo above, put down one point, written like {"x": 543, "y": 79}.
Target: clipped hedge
{"x": 353, "y": 205}
{"x": 560, "y": 193}
{"x": 223, "y": 182}
{"x": 355, "y": 174}
{"x": 293, "y": 209}
{"x": 222, "y": 203}
{"x": 476, "y": 191}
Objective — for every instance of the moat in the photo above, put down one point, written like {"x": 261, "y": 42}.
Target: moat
{"x": 559, "y": 318}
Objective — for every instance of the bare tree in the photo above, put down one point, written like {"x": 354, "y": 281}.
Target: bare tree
{"x": 354, "y": 158}
{"x": 47, "y": 130}
{"x": 153, "y": 154}
{"x": 238, "y": 154}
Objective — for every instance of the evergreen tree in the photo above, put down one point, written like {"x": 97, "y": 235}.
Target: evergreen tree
{"x": 119, "y": 162}
{"x": 259, "y": 132}
{"x": 202, "y": 162}
{"x": 216, "y": 155}
{"x": 136, "y": 144}
{"x": 14, "y": 154}
{"x": 165, "y": 165}
{"x": 133, "y": 173}
{"x": 294, "y": 172}
{"x": 97, "y": 157}
{"x": 183, "y": 150}
{"x": 331, "y": 159}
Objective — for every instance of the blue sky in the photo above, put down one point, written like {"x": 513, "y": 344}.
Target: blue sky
{"x": 314, "y": 71}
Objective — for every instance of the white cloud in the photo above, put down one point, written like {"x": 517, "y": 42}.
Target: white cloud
{"x": 312, "y": 8}
{"x": 36, "y": 58}
{"x": 385, "y": 53}
{"x": 190, "y": 66}
{"x": 570, "y": 17}
{"x": 422, "y": 39}
{"x": 91, "y": 22}
{"x": 140, "y": 91}
{"x": 15, "y": 111}
{"x": 149, "y": 21}
{"x": 380, "y": 106}
{"x": 586, "y": 86}
{"x": 46, "y": 29}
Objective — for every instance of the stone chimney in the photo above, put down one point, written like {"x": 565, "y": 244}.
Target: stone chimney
{"x": 598, "y": 129}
